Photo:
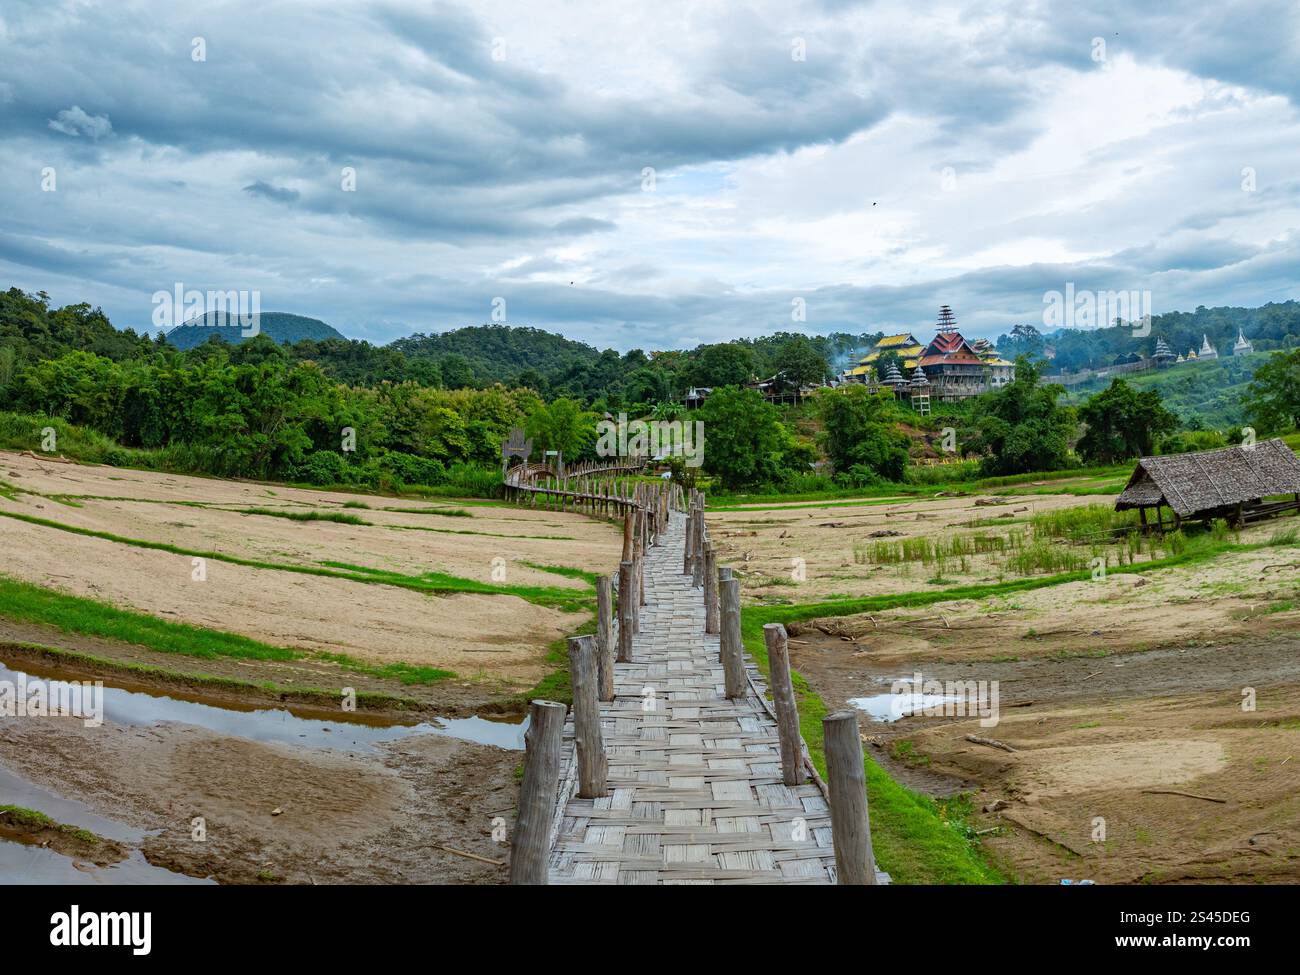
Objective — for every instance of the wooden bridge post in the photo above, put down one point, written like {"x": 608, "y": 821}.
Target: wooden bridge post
{"x": 787, "y": 711}
{"x": 850, "y": 824}
{"x": 538, "y": 792}
{"x": 625, "y": 577}
{"x": 636, "y": 591}
{"x": 643, "y": 542}
{"x": 689, "y": 540}
{"x": 593, "y": 766}
{"x": 711, "y": 624}
{"x": 732, "y": 650}
{"x": 697, "y": 549}
{"x": 605, "y": 635}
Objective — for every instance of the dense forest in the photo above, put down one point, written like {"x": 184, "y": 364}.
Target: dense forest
{"x": 433, "y": 411}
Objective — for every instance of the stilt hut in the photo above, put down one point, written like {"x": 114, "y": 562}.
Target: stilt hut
{"x": 1231, "y": 483}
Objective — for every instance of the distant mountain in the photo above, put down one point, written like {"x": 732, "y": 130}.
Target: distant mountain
{"x": 277, "y": 325}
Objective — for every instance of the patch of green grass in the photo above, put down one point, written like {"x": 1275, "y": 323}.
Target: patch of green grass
{"x": 374, "y": 699}
{"x": 28, "y": 603}
{"x": 337, "y": 517}
{"x": 571, "y": 600}
{"x": 567, "y": 571}
{"x": 405, "y": 673}
{"x": 914, "y": 838}
{"x": 445, "y": 512}
{"x": 33, "y": 819}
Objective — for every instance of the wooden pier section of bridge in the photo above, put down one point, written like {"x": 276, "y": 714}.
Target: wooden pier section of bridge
{"x": 695, "y": 792}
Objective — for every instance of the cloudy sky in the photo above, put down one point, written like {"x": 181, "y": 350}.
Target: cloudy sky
{"x": 650, "y": 174}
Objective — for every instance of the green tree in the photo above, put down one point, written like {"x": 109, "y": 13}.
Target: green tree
{"x": 7, "y": 359}
{"x": 1122, "y": 423}
{"x": 743, "y": 438}
{"x": 859, "y": 429}
{"x": 456, "y": 371}
{"x": 562, "y": 425}
{"x": 1275, "y": 393}
{"x": 1020, "y": 427}
{"x": 727, "y": 364}
{"x": 801, "y": 362}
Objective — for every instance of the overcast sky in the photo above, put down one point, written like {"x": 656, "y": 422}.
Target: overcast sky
{"x": 650, "y": 174}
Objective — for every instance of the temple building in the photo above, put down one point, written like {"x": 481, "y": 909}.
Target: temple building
{"x": 1207, "y": 350}
{"x": 999, "y": 370}
{"x": 1164, "y": 356}
{"x": 905, "y": 346}
{"x": 953, "y": 368}
{"x": 948, "y": 368}
{"x": 1242, "y": 346}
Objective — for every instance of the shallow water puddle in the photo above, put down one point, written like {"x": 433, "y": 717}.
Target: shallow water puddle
{"x": 891, "y": 707}
{"x": 24, "y": 864}
{"x": 309, "y": 727}
{"x": 18, "y": 791}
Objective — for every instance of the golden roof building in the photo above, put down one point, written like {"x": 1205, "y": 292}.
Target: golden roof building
{"x": 904, "y": 345}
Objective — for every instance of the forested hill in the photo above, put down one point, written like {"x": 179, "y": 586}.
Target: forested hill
{"x": 1272, "y": 326}
{"x": 1204, "y": 395}
{"x": 501, "y": 352}
{"x": 278, "y": 326}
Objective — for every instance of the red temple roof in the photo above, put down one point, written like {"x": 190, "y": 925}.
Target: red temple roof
{"x": 949, "y": 347}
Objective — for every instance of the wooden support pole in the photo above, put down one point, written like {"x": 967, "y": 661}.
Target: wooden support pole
{"x": 538, "y": 792}
{"x": 593, "y": 767}
{"x": 731, "y": 649}
{"x": 605, "y": 635}
{"x": 787, "y": 711}
{"x": 688, "y": 541}
{"x": 625, "y": 631}
{"x": 697, "y": 549}
{"x": 642, "y": 541}
{"x": 637, "y": 597}
{"x": 711, "y": 622}
{"x": 850, "y": 824}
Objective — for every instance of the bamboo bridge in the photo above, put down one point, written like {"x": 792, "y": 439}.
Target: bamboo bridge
{"x": 673, "y": 767}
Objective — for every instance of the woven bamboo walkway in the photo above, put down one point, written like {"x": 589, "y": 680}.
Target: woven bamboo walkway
{"x": 695, "y": 789}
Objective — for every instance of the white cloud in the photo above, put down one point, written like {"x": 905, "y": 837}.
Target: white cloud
{"x": 75, "y": 121}
{"x": 478, "y": 178}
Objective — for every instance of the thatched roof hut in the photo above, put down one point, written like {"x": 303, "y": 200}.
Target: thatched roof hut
{"x": 1212, "y": 482}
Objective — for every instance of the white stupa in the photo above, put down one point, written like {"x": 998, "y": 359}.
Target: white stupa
{"x": 1207, "y": 350}
{"x": 1242, "y": 345}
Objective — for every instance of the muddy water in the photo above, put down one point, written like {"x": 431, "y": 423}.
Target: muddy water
{"x": 309, "y": 727}
{"x": 23, "y": 864}
{"x": 18, "y": 791}
{"x": 304, "y": 727}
